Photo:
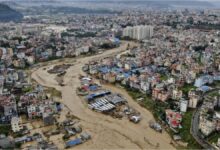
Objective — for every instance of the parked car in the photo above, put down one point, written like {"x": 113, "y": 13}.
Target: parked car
{"x": 135, "y": 119}
{"x": 156, "y": 126}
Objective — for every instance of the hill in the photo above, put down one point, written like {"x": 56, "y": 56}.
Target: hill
{"x": 8, "y": 14}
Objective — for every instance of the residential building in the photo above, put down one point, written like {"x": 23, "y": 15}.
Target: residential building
{"x": 138, "y": 32}
{"x": 16, "y": 124}
{"x": 173, "y": 118}
{"x": 183, "y": 105}
{"x": 206, "y": 126}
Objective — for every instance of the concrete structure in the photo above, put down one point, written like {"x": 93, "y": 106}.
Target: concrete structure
{"x": 177, "y": 94}
{"x": 16, "y": 124}
{"x": 138, "y": 32}
{"x": 48, "y": 118}
{"x": 183, "y": 105}
{"x": 193, "y": 101}
{"x": 206, "y": 126}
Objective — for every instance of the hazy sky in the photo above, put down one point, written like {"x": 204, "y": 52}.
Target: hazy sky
{"x": 107, "y": 0}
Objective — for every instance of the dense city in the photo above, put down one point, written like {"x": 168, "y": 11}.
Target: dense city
{"x": 134, "y": 79}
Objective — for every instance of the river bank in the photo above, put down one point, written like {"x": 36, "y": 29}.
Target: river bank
{"x": 107, "y": 132}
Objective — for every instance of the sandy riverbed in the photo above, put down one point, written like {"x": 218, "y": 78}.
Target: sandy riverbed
{"x": 107, "y": 132}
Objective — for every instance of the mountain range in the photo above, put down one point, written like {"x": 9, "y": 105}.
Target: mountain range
{"x": 8, "y": 14}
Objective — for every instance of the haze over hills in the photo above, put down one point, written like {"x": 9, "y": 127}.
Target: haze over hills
{"x": 42, "y": 7}
{"x": 117, "y": 3}
{"x": 8, "y": 14}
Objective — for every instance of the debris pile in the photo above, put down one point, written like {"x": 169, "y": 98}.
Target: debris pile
{"x": 104, "y": 101}
{"x": 59, "y": 69}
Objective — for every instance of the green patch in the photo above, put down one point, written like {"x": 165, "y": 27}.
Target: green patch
{"x": 214, "y": 93}
{"x": 156, "y": 107}
{"x": 216, "y": 84}
{"x": 163, "y": 77}
{"x": 185, "y": 131}
{"x": 5, "y": 129}
{"x": 27, "y": 89}
{"x": 158, "y": 110}
{"x": 213, "y": 138}
{"x": 54, "y": 92}
{"x": 187, "y": 87}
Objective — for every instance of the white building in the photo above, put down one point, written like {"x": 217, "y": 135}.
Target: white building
{"x": 138, "y": 32}
{"x": 128, "y": 31}
{"x": 206, "y": 126}
{"x": 1, "y": 84}
{"x": 19, "y": 30}
{"x": 183, "y": 105}
{"x": 16, "y": 124}
{"x": 176, "y": 94}
{"x": 193, "y": 101}
{"x": 218, "y": 142}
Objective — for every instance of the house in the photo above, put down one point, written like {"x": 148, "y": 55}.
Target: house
{"x": 1, "y": 84}
{"x": 206, "y": 126}
{"x": 3, "y": 53}
{"x": 30, "y": 59}
{"x": 59, "y": 53}
{"x": 177, "y": 94}
{"x": 135, "y": 84}
{"x": 38, "y": 109}
{"x": 10, "y": 52}
{"x": 183, "y": 105}
{"x": 160, "y": 94}
{"x": 8, "y": 109}
{"x": 20, "y": 55}
{"x": 93, "y": 69}
{"x": 218, "y": 143}
{"x": 110, "y": 77}
{"x": 217, "y": 121}
{"x": 173, "y": 118}
{"x": 127, "y": 66}
{"x": 163, "y": 96}
{"x": 203, "y": 80}
{"x": 193, "y": 99}
{"x": 145, "y": 86}
{"x": 20, "y": 63}
{"x": 155, "y": 92}
{"x": 170, "y": 80}
{"x": 204, "y": 88}
{"x": 6, "y": 142}
{"x": 16, "y": 125}
{"x": 32, "y": 111}
{"x": 48, "y": 118}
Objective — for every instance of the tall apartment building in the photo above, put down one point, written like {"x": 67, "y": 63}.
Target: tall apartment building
{"x": 138, "y": 32}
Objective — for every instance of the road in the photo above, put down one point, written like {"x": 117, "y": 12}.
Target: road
{"x": 107, "y": 132}
{"x": 195, "y": 130}
{"x": 195, "y": 127}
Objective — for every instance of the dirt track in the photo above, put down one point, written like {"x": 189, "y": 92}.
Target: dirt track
{"x": 107, "y": 132}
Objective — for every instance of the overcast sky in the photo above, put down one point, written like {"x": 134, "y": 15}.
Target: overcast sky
{"x": 110, "y": 0}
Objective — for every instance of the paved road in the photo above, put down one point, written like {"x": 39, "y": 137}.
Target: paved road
{"x": 195, "y": 126}
{"x": 196, "y": 133}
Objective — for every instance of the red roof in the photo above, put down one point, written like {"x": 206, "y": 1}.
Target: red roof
{"x": 175, "y": 123}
